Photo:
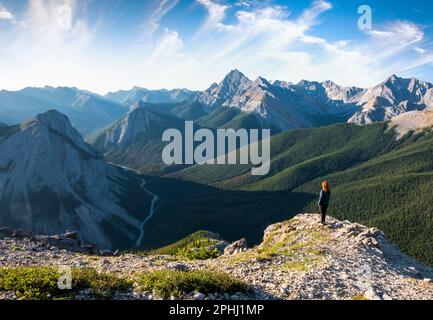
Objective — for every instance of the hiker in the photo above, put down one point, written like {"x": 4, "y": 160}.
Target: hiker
{"x": 325, "y": 195}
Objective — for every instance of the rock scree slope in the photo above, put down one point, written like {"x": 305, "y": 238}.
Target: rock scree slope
{"x": 297, "y": 259}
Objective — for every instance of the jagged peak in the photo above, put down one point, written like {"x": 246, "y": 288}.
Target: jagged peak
{"x": 212, "y": 86}
{"x": 304, "y": 83}
{"x": 282, "y": 83}
{"x": 235, "y": 72}
{"x": 262, "y": 81}
{"x": 235, "y": 76}
{"x": 329, "y": 83}
{"x": 51, "y": 118}
{"x": 58, "y": 122}
{"x": 393, "y": 80}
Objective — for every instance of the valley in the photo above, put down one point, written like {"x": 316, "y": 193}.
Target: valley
{"x": 380, "y": 171}
{"x": 216, "y": 150}
{"x": 152, "y": 210}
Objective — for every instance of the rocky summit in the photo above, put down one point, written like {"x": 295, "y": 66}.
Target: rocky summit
{"x": 297, "y": 259}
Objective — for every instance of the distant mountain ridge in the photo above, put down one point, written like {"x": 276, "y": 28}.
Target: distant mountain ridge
{"x": 282, "y": 105}
{"x": 234, "y": 102}
{"x": 238, "y": 102}
{"x": 392, "y": 98}
{"x": 86, "y": 110}
{"x": 128, "y": 97}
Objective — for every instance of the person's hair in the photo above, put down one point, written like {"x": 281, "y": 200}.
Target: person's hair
{"x": 325, "y": 186}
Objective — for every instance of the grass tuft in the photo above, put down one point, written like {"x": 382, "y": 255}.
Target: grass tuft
{"x": 167, "y": 283}
{"x": 41, "y": 283}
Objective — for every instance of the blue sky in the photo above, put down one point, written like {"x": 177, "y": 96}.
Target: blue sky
{"x": 106, "y": 45}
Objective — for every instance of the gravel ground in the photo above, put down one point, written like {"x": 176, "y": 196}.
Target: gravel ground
{"x": 298, "y": 259}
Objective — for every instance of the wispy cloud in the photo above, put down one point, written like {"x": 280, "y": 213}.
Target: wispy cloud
{"x": 216, "y": 14}
{"x": 310, "y": 16}
{"x": 421, "y": 51}
{"x": 163, "y": 7}
{"x": 268, "y": 40}
{"x": 6, "y": 14}
{"x": 47, "y": 44}
{"x": 257, "y": 37}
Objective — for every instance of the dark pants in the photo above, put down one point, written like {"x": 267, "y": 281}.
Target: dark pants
{"x": 323, "y": 210}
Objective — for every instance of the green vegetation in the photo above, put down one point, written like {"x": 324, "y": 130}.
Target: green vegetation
{"x": 200, "y": 253}
{"x": 229, "y": 118}
{"x": 300, "y": 246}
{"x": 298, "y": 156}
{"x": 40, "y": 283}
{"x": 197, "y": 246}
{"x": 375, "y": 180}
{"x": 167, "y": 283}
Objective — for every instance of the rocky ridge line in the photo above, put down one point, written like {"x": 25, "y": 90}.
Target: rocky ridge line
{"x": 298, "y": 259}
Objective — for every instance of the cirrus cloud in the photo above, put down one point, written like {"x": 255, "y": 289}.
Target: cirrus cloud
{"x": 6, "y": 14}
{"x": 260, "y": 38}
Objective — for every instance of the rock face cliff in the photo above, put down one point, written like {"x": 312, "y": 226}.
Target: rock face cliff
{"x": 52, "y": 181}
{"x": 298, "y": 259}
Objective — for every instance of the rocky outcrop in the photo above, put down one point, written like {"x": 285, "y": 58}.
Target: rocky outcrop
{"x": 297, "y": 259}
{"x": 301, "y": 259}
{"x": 220, "y": 245}
{"x": 392, "y": 98}
{"x": 414, "y": 121}
{"x": 236, "y": 247}
{"x": 69, "y": 241}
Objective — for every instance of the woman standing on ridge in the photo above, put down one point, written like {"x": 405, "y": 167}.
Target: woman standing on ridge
{"x": 325, "y": 196}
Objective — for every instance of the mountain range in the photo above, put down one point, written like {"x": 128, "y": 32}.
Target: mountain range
{"x": 129, "y": 97}
{"x": 280, "y": 105}
{"x": 372, "y": 144}
{"x": 235, "y": 102}
{"x": 87, "y": 111}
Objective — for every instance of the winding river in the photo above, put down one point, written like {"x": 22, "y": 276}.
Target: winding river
{"x": 155, "y": 198}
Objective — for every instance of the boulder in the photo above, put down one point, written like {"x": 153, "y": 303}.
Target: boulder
{"x": 199, "y": 296}
{"x": 236, "y": 247}
{"x": 220, "y": 246}
{"x": 20, "y": 233}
